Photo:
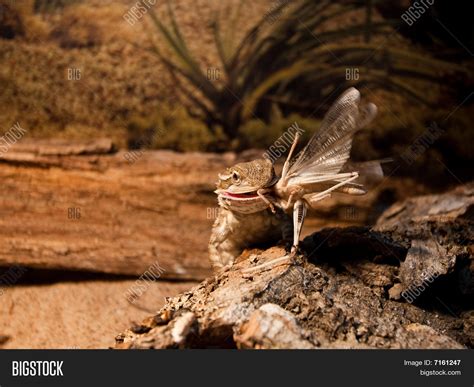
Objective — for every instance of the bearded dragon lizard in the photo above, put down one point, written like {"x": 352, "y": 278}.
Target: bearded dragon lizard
{"x": 254, "y": 201}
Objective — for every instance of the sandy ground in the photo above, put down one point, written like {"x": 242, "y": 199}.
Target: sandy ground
{"x": 76, "y": 315}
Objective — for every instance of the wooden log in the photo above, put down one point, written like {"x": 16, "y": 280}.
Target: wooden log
{"x": 120, "y": 219}
{"x": 339, "y": 293}
{"x": 58, "y": 147}
{"x": 58, "y": 153}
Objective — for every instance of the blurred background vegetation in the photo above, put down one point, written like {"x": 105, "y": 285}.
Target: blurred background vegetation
{"x": 212, "y": 75}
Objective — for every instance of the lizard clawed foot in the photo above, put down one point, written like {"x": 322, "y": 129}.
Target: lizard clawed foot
{"x": 218, "y": 270}
{"x": 269, "y": 265}
{"x": 287, "y": 258}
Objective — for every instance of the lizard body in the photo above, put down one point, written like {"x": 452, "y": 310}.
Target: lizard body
{"x": 244, "y": 217}
{"x": 232, "y": 232}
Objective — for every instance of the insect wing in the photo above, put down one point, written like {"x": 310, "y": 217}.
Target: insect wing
{"x": 329, "y": 148}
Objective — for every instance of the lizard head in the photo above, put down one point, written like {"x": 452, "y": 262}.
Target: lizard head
{"x": 247, "y": 177}
{"x": 239, "y": 184}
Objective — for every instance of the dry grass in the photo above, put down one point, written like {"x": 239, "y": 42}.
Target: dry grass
{"x": 124, "y": 91}
{"x": 119, "y": 79}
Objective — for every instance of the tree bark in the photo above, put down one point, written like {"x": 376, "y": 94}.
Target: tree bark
{"x": 343, "y": 291}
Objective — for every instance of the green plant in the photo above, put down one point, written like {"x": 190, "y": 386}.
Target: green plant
{"x": 255, "y": 133}
{"x": 169, "y": 128}
{"x": 286, "y": 63}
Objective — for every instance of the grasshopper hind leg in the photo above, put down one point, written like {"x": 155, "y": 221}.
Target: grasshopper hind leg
{"x": 299, "y": 213}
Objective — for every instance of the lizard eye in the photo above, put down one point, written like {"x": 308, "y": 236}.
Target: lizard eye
{"x": 236, "y": 177}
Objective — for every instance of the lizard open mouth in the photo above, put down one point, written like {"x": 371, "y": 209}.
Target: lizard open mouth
{"x": 247, "y": 195}
{"x": 245, "y": 203}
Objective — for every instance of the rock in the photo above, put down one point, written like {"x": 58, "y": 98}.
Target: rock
{"x": 426, "y": 260}
{"x": 175, "y": 334}
{"x": 416, "y": 335}
{"x": 309, "y": 305}
{"x": 271, "y": 326}
{"x": 446, "y": 220}
{"x": 343, "y": 291}
{"x": 394, "y": 293}
{"x": 183, "y": 327}
{"x": 435, "y": 208}
{"x": 439, "y": 232}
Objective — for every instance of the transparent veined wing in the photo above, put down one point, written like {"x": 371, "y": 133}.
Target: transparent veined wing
{"x": 329, "y": 148}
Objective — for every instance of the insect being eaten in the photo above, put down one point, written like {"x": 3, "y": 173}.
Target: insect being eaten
{"x": 256, "y": 204}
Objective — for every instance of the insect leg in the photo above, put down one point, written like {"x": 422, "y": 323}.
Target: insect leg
{"x": 312, "y": 201}
{"x": 289, "y": 202}
{"x": 334, "y": 187}
{"x": 295, "y": 190}
{"x": 299, "y": 213}
{"x": 286, "y": 166}
{"x": 261, "y": 193}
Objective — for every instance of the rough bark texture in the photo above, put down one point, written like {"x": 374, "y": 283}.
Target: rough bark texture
{"x": 101, "y": 213}
{"x": 58, "y": 153}
{"x": 348, "y": 289}
{"x": 60, "y": 147}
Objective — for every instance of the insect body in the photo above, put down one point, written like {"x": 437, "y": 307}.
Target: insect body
{"x": 247, "y": 191}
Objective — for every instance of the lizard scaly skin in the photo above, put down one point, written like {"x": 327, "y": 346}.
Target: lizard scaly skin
{"x": 233, "y": 232}
{"x": 244, "y": 218}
